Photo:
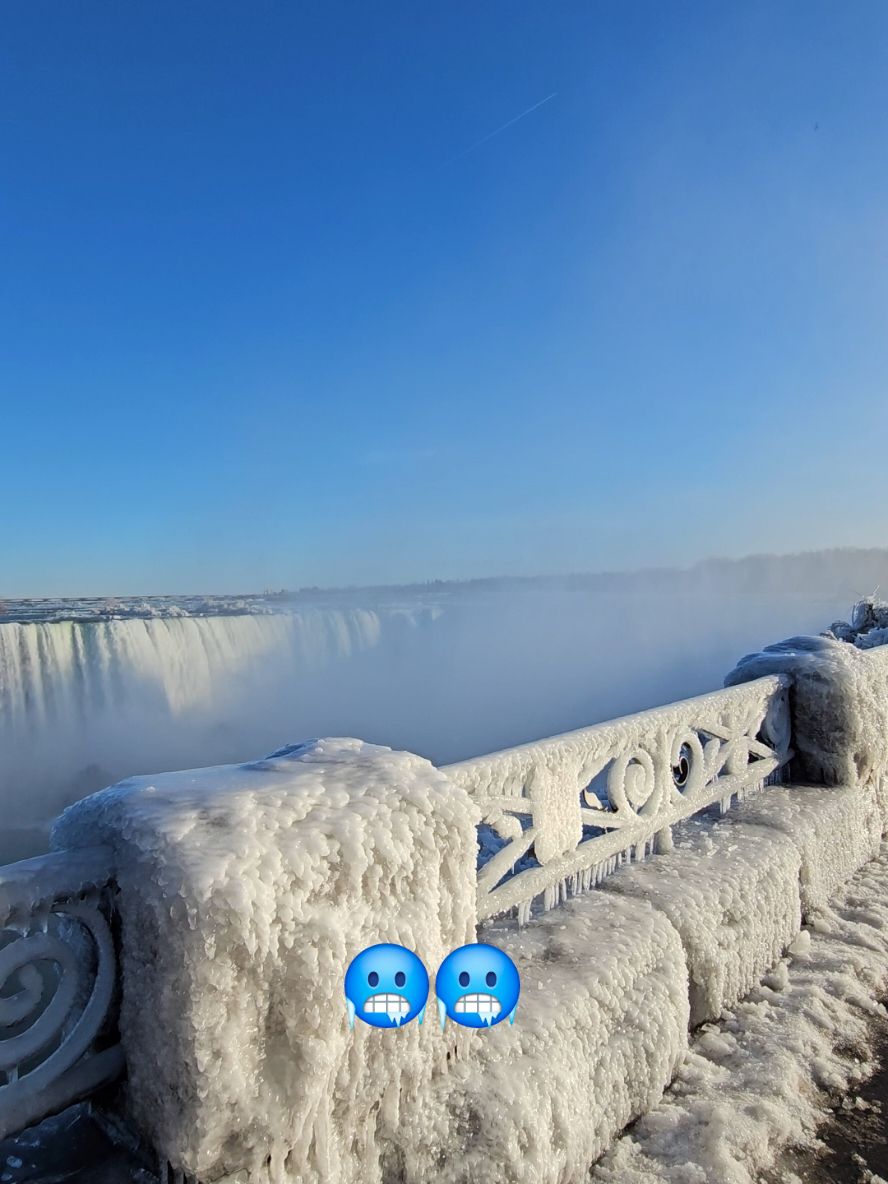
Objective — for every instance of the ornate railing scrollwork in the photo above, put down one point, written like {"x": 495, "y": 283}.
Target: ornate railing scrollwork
{"x": 58, "y": 985}
{"x": 560, "y": 814}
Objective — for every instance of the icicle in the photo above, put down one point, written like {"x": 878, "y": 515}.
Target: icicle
{"x": 38, "y": 921}
{"x": 164, "y": 1173}
{"x": 524, "y": 912}
{"x": 663, "y": 840}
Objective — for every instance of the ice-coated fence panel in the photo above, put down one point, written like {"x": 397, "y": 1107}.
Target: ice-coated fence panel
{"x": 561, "y": 813}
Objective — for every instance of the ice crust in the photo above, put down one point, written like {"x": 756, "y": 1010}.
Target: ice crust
{"x": 600, "y": 1030}
{"x": 839, "y": 705}
{"x": 835, "y": 829}
{"x": 245, "y": 892}
{"x": 732, "y": 894}
{"x": 610, "y": 980}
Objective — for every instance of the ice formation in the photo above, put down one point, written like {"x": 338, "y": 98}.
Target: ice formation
{"x": 732, "y": 893}
{"x": 245, "y": 893}
{"x": 839, "y": 707}
{"x": 601, "y": 1028}
{"x": 752, "y": 1083}
{"x": 714, "y": 918}
{"x": 835, "y": 829}
{"x": 868, "y": 626}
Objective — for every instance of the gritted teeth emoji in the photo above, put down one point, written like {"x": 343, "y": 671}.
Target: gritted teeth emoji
{"x": 477, "y": 986}
{"x": 386, "y": 986}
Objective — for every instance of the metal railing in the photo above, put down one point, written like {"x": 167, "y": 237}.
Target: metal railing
{"x": 58, "y": 984}
{"x": 560, "y": 814}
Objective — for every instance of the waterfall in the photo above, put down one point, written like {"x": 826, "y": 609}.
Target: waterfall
{"x": 83, "y": 703}
{"x": 53, "y": 672}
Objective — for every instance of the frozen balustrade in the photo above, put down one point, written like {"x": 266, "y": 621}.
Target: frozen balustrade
{"x": 558, "y": 815}
{"x": 239, "y": 895}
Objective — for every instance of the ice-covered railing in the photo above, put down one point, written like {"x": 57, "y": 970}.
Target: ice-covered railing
{"x": 58, "y": 984}
{"x": 560, "y": 814}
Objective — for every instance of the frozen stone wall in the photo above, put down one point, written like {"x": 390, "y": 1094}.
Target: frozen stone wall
{"x": 244, "y": 893}
{"x": 602, "y": 1027}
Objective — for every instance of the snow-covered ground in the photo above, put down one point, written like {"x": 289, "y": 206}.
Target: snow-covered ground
{"x": 759, "y": 1079}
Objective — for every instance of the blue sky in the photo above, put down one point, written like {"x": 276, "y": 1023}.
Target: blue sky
{"x": 267, "y": 318}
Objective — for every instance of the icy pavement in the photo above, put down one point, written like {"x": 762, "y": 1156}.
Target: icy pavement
{"x": 855, "y": 1147}
{"x": 70, "y": 1148}
{"x": 760, "y": 1080}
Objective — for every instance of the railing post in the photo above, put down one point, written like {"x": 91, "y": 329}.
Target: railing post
{"x": 245, "y": 892}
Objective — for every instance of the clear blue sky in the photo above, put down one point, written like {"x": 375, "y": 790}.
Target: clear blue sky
{"x": 268, "y": 318}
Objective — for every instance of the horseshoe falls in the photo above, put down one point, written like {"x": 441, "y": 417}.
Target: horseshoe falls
{"x": 94, "y": 691}
{"x": 85, "y": 702}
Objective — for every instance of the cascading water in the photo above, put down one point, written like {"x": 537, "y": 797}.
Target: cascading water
{"x": 92, "y": 691}
{"x": 85, "y": 702}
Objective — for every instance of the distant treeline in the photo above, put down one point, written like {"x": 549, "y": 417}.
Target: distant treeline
{"x": 839, "y": 571}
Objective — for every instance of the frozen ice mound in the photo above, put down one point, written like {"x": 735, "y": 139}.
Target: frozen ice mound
{"x": 868, "y": 626}
{"x": 836, "y": 830}
{"x": 839, "y": 705}
{"x": 600, "y": 1030}
{"x": 245, "y": 892}
{"x": 732, "y": 894}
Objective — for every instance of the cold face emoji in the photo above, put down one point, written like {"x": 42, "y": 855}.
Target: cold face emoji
{"x": 477, "y": 986}
{"x": 386, "y": 986}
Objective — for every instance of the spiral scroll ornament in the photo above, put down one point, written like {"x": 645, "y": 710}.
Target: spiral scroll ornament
{"x": 57, "y": 985}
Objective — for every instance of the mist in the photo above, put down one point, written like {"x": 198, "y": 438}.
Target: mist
{"x": 448, "y": 670}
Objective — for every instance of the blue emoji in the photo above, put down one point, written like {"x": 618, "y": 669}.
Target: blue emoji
{"x": 477, "y": 986}
{"x": 386, "y": 986}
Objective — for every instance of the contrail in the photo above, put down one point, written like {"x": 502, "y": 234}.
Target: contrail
{"x": 496, "y": 132}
